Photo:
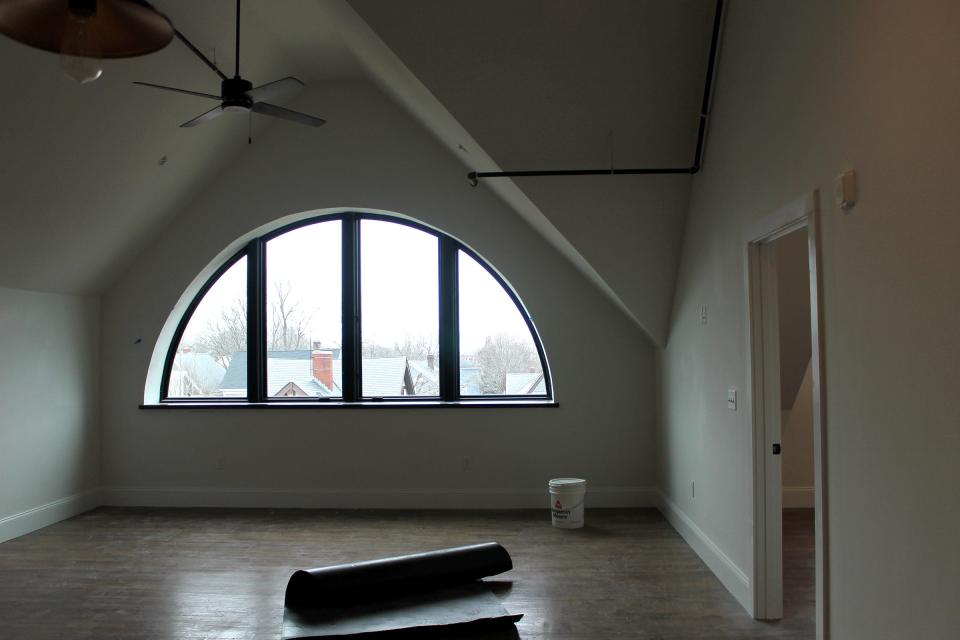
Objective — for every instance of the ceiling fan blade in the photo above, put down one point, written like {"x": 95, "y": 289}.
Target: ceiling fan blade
{"x": 203, "y": 117}
{"x": 274, "y": 89}
{"x": 268, "y": 109}
{"x": 189, "y": 93}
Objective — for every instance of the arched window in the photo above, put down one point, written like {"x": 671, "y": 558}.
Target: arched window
{"x": 355, "y": 307}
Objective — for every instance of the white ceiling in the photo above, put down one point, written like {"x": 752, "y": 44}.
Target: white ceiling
{"x": 81, "y": 188}
{"x": 567, "y": 84}
{"x": 531, "y": 84}
{"x": 541, "y": 83}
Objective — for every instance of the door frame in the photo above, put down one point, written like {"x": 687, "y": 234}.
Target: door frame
{"x": 766, "y": 581}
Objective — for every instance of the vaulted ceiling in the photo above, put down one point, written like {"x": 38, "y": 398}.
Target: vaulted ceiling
{"x": 82, "y": 186}
{"x": 561, "y": 84}
{"x": 515, "y": 85}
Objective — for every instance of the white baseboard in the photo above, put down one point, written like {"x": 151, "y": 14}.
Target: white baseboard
{"x": 414, "y": 498}
{"x": 18, "y": 524}
{"x": 798, "y": 498}
{"x": 22, "y": 523}
{"x": 731, "y": 576}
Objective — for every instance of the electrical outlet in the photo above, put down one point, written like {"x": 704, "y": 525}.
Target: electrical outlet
{"x": 703, "y": 314}
{"x": 466, "y": 463}
{"x": 732, "y": 399}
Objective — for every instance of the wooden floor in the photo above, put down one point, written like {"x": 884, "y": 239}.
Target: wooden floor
{"x": 203, "y": 573}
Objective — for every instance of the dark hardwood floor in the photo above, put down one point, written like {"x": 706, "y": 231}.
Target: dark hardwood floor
{"x": 799, "y": 568}
{"x": 218, "y": 573}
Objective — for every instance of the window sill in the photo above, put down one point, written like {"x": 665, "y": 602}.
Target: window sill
{"x": 385, "y": 404}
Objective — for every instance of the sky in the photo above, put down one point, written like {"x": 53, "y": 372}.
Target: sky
{"x": 399, "y": 281}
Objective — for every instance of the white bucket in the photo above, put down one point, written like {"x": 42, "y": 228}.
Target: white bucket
{"x": 566, "y": 502}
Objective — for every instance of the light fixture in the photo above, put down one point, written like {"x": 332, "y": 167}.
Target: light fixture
{"x": 84, "y": 32}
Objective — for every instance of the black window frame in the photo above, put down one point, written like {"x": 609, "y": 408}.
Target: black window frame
{"x": 351, "y": 382}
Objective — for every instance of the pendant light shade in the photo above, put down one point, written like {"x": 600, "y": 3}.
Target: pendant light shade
{"x": 86, "y": 28}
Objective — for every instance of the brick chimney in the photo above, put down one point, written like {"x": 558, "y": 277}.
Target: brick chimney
{"x": 431, "y": 361}
{"x": 322, "y": 366}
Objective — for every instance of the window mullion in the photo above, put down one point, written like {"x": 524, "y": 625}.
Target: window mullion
{"x": 256, "y": 321}
{"x": 449, "y": 322}
{"x": 350, "y": 348}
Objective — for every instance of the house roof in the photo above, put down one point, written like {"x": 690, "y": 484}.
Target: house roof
{"x": 522, "y": 384}
{"x": 203, "y": 371}
{"x": 381, "y": 376}
{"x": 469, "y": 376}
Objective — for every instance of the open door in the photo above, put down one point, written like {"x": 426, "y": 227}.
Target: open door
{"x": 763, "y": 349}
{"x": 769, "y": 443}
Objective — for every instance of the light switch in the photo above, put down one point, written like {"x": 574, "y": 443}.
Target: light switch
{"x": 732, "y": 399}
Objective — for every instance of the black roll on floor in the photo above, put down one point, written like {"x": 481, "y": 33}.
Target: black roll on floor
{"x": 424, "y": 593}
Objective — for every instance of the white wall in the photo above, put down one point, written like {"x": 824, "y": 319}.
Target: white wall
{"x": 796, "y": 428}
{"x": 805, "y": 90}
{"x": 793, "y": 306}
{"x": 49, "y": 444}
{"x": 372, "y": 155}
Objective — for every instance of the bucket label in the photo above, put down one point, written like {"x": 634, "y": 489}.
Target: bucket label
{"x": 559, "y": 513}
{"x": 569, "y": 514}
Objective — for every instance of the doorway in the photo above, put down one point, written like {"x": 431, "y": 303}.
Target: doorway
{"x": 786, "y": 358}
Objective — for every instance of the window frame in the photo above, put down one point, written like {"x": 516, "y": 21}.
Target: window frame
{"x": 185, "y": 321}
{"x": 351, "y": 328}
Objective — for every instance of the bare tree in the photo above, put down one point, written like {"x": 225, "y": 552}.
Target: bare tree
{"x": 413, "y": 347}
{"x": 416, "y": 347}
{"x": 227, "y": 334}
{"x": 289, "y": 330}
{"x": 370, "y": 350}
{"x": 503, "y": 354}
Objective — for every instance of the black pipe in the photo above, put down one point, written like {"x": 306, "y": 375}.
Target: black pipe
{"x": 707, "y": 86}
{"x": 196, "y": 52}
{"x": 236, "y": 66}
{"x": 182, "y": 38}
{"x": 474, "y": 176}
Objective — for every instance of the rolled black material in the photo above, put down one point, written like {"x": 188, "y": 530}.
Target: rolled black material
{"x": 396, "y": 576}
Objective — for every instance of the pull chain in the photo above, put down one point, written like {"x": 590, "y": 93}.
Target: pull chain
{"x": 610, "y": 147}
{"x": 250, "y": 127}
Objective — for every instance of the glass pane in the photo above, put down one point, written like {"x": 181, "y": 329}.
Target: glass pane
{"x": 304, "y": 312}
{"x": 400, "y": 307}
{"x": 211, "y": 359}
{"x": 498, "y": 356}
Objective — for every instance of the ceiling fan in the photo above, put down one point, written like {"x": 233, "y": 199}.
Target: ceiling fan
{"x": 239, "y": 95}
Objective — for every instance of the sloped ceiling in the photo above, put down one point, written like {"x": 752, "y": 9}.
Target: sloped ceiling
{"x": 82, "y": 187}
{"x": 555, "y": 84}
{"x": 504, "y": 84}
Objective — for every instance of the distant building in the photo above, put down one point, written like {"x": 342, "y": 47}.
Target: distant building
{"x": 194, "y": 374}
{"x": 318, "y": 373}
{"x": 525, "y": 384}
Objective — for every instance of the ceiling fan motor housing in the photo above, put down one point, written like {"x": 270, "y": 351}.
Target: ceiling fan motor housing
{"x": 234, "y": 92}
